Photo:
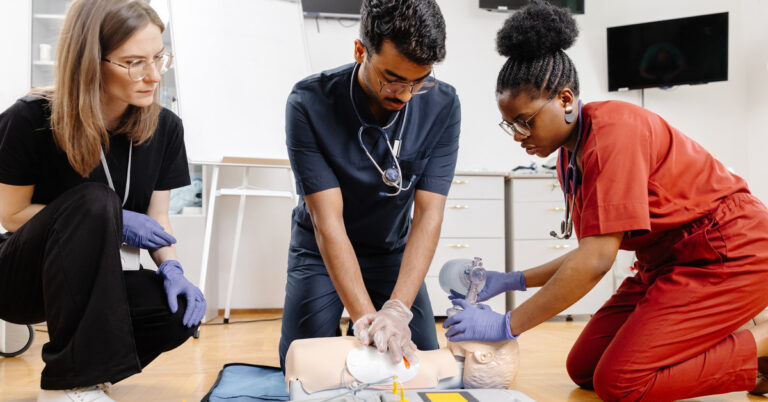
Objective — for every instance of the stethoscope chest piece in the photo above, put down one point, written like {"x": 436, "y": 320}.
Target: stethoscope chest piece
{"x": 391, "y": 177}
{"x": 565, "y": 229}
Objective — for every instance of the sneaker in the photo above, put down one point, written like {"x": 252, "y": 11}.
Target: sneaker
{"x": 96, "y": 393}
{"x": 761, "y": 383}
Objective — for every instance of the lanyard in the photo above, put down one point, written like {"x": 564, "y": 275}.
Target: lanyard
{"x": 127, "y": 173}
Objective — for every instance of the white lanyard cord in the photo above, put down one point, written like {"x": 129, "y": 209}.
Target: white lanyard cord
{"x": 127, "y": 174}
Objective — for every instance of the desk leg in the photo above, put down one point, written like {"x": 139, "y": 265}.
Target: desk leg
{"x": 209, "y": 229}
{"x": 235, "y": 248}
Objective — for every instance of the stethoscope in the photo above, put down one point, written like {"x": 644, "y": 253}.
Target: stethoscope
{"x": 571, "y": 182}
{"x": 392, "y": 176}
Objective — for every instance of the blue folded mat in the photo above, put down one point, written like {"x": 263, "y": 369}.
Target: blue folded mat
{"x": 240, "y": 382}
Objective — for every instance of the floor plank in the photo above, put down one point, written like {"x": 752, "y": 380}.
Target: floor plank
{"x": 187, "y": 373}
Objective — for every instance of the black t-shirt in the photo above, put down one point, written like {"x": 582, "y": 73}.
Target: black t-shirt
{"x": 29, "y": 156}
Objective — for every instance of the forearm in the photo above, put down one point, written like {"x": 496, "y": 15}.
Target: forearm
{"x": 343, "y": 269}
{"x": 577, "y": 275}
{"x": 17, "y": 220}
{"x": 163, "y": 253}
{"x": 538, "y": 276}
{"x": 419, "y": 251}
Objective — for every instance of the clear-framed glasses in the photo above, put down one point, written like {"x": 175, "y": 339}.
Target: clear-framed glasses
{"x": 522, "y": 127}
{"x": 139, "y": 68}
{"x": 424, "y": 85}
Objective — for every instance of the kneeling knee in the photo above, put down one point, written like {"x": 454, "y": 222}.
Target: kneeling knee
{"x": 579, "y": 373}
{"x": 611, "y": 384}
{"x": 95, "y": 201}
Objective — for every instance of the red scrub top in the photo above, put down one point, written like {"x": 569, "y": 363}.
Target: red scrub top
{"x": 642, "y": 176}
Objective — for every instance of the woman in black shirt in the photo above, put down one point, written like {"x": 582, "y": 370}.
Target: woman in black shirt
{"x": 86, "y": 170}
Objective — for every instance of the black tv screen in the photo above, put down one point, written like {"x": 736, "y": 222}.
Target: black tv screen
{"x": 332, "y": 8}
{"x": 691, "y": 50}
{"x": 576, "y": 6}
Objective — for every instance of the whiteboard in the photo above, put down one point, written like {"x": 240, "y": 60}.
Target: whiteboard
{"x": 236, "y": 62}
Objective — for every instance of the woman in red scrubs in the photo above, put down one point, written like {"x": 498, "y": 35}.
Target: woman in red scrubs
{"x": 701, "y": 239}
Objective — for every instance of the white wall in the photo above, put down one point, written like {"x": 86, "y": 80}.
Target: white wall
{"x": 755, "y": 45}
{"x": 15, "y": 50}
{"x": 724, "y": 117}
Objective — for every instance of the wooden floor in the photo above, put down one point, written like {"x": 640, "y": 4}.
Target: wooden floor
{"x": 187, "y": 373}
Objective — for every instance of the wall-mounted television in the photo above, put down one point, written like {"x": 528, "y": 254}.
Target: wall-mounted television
{"x": 691, "y": 50}
{"x": 576, "y": 6}
{"x": 332, "y": 8}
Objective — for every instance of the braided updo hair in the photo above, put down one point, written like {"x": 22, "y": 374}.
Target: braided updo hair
{"x": 533, "y": 40}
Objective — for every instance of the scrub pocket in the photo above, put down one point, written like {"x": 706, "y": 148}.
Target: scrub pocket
{"x": 412, "y": 170}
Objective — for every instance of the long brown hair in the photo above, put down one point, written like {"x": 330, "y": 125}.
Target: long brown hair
{"x": 91, "y": 30}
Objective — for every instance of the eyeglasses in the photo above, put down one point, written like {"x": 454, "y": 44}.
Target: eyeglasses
{"x": 396, "y": 87}
{"x": 138, "y": 69}
{"x": 522, "y": 127}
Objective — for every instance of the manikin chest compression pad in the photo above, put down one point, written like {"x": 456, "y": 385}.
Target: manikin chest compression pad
{"x": 318, "y": 364}
{"x": 368, "y": 365}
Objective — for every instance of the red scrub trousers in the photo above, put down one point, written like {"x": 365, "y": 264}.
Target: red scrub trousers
{"x": 702, "y": 247}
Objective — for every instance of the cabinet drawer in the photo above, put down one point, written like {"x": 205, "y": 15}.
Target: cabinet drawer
{"x": 440, "y": 301}
{"x": 536, "y": 190}
{"x": 530, "y": 253}
{"x": 534, "y": 220}
{"x": 473, "y": 218}
{"x": 477, "y": 187}
{"x": 589, "y": 304}
{"x": 490, "y": 250}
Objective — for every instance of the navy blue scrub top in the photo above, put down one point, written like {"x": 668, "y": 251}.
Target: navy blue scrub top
{"x": 321, "y": 136}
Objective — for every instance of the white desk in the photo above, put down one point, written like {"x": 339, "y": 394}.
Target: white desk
{"x": 243, "y": 191}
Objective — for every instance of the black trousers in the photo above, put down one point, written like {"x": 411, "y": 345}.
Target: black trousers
{"x": 63, "y": 266}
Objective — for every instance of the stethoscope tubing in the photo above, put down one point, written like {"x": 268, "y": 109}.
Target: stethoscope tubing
{"x": 571, "y": 181}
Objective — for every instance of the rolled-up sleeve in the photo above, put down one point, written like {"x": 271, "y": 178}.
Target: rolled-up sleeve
{"x": 441, "y": 165}
{"x": 310, "y": 167}
{"x": 614, "y": 189}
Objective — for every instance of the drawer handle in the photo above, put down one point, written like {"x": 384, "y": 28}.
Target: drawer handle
{"x": 458, "y": 245}
{"x": 458, "y": 206}
{"x": 560, "y": 246}
{"x": 456, "y": 181}
{"x": 557, "y": 209}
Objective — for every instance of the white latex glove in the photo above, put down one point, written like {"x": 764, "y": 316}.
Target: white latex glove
{"x": 388, "y": 330}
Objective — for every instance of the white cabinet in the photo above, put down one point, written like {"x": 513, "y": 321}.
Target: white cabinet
{"x": 536, "y": 207}
{"x": 473, "y": 226}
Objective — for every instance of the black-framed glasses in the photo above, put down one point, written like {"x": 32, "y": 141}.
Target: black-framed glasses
{"x": 522, "y": 127}
{"x": 424, "y": 85}
{"x": 139, "y": 68}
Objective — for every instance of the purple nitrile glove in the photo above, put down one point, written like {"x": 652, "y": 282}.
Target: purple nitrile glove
{"x": 141, "y": 231}
{"x": 176, "y": 284}
{"x": 477, "y": 323}
{"x": 496, "y": 283}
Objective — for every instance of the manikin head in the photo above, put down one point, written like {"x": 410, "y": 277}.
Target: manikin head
{"x": 487, "y": 364}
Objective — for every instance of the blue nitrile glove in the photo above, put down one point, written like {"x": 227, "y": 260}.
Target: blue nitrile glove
{"x": 477, "y": 323}
{"x": 496, "y": 283}
{"x": 176, "y": 284}
{"x": 141, "y": 231}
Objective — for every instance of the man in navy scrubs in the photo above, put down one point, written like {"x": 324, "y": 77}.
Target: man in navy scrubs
{"x": 369, "y": 142}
